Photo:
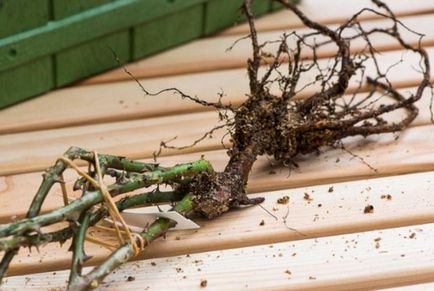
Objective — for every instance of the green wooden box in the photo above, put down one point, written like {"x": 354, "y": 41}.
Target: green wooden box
{"x": 46, "y": 44}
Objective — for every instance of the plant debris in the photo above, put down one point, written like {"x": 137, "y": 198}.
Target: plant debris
{"x": 377, "y": 242}
{"x": 307, "y": 197}
{"x": 368, "y": 209}
{"x": 283, "y": 200}
{"x": 386, "y": 196}
{"x": 203, "y": 283}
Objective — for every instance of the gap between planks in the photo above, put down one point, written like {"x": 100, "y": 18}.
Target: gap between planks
{"x": 32, "y": 151}
{"x": 35, "y": 151}
{"x": 326, "y": 213}
{"x": 195, "y": 56}
{"x": 125, "y": 101}
{"x": 412, "y": 152}
{"x": 324, "y": 13}
{"x": 360, "y": 261}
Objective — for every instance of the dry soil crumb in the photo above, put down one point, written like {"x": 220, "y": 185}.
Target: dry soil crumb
{"x": 386, "y": 196}
{"x": 288, "y": 272}
{"x": 368, "y": 209}
{"x": 203, "y": 283}
{"x": 283, "y": 200}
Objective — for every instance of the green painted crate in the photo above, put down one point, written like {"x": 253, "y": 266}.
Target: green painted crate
{"x": 46, "y": 44}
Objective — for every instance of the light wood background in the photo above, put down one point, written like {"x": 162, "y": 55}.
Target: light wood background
{"x": 327, "y": 243}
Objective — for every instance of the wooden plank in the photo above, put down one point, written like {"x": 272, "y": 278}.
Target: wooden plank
{"x": 411, "y": 153}
{"x": 326, "y": 212}
{"x": 338, "y": 12}
{"x": 92, "y": 57}
{"x": 30, "y": 79}
{"x": 125, "y": 101}
{"x": 223, "y": 13}
{"x": 21, "y": 15}
{"x": 35, "y": 76}
{"x": 68, "y": 32}
{"x": 35, "y": 151}
{"x": 164, "y": 32}
{"x": 361, "y": 261}
{"x": 419, "y": 287}
{"x": 195, "y": 56}
{"x": 140, "y": 138}
{"x": 62, "y": 9}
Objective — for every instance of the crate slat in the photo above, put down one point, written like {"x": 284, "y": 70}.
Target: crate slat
{"x": 340, "y": 212}
{"x": 36, "y": 77}
{"x": 125, "y": 100}
{"x": 23, "y": 152}
{"x": 168, "y": 31}
{"x": 224, "y": 13}
{"x": 325, "y": 13}
{"x": 20, "y": 15}
{"x": 195, "y": 56}
{"x": 92, "y": 57}
{"x": 411, "y": 153}
{"x": 343, "y": 262}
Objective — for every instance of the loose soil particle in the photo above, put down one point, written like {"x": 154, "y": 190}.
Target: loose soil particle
{"x": 283, "y": 200}
{"x": 386, "y": 196}
{"x": 307, "y": 197}
{"x": 368, "y": 209}
{"x": 203, "y": 283}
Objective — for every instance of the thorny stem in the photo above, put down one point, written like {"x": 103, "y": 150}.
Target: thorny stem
{"x": 140, "y": 175}
{"x": 79, "y": 257}
{"x": 177, "y": 174}
{"x": 126, "y": 251}
{"x": 36, "y": 240}
{"x": 49, "y": 179}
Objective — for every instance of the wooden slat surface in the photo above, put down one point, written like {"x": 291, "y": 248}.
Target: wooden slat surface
{"x": 124, "y": 100}
{"x": 237, "y": 254}
{"x": 344, "y": 262}
{"x": 32, "y": 151}
{"x": 341, "y": 211}
{"x": 411, "y": 153}
{"x": 195, "y": 57}
{"x": 326, "y": 13}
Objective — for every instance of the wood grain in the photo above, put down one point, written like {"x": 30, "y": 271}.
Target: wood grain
{"x": 327, "y": 243}
{"x": 338, "y": 12}
{"x": 35, "y": 151}
{"x": 412, "y": 152}
{"x": 343, "y": 262}
{"x": 125, "y": 101}
{"x": 327, "y": 212}
{"x": 195, "y": 56}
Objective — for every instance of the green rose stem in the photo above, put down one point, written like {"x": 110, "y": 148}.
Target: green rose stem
{"x": 124, "y": 253}
{"x": 136, "y": 175}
